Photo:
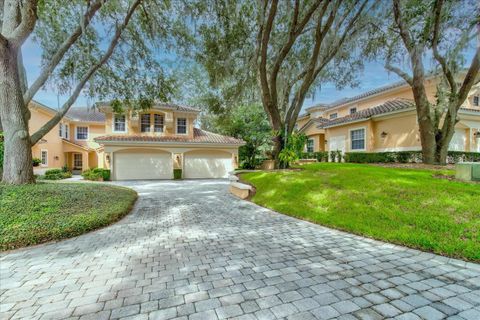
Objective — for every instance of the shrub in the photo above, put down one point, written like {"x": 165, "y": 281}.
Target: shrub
{"x": 333, "y": 156}
{"x": 96, "y": 174}
{"x": 56, "y": 174}
{"x": 177, "y": 174}
{"x": 321, "y": 156}
{"x": 407, "y": 157}
{"x": 36, "y": 162}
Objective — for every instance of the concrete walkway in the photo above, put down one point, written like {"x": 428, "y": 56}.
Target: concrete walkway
{"x": 192, "y": 251}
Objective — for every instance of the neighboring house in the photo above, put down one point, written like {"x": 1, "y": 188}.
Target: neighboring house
{"x": 136, "y": 145}
{"x": 382, "y": 120}
{"x": 71, "y": 142}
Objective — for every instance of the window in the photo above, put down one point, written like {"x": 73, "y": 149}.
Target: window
{"x": 145, "y": 122}
{"x": 77, "y": 160}
{"x": 310, "y": 144}
{"x": 333, "y": 116}
{"x": 158, "y": 123}
{"x": 82, "y": 133}
{"x": 67, "y": 131}
{"x": 63, "y": 130}
{"x": 119, "y": 123}
{"x": 353, "y": 110}
{"x": 357, "y": 138}
{"x": 476, "y": 101}
{"x": 181, "y": 125}
{"x": 44, "y": 158}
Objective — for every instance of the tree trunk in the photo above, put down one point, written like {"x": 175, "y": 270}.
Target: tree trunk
{"x": 17, "y": 163}
{"x": 277, "y": 148}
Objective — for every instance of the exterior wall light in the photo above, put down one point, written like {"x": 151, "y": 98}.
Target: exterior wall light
{"x": 383, "y": 134}
{"x": 476, "y": 135}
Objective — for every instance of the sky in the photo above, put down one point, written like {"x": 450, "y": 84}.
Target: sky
{"x": 373, "y": 76}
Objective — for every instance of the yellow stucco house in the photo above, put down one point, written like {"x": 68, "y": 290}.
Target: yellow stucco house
{"x": 383, "y": 120}
{"x": 135, "y": 145}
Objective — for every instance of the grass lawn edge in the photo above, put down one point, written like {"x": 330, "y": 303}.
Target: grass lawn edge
{"x": 394, "y": 242}
{"x": 89, "y": 230}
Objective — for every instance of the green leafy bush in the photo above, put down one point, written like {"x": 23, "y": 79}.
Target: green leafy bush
{"x": 96, "y": 174}
{"x": 407, "y": 157}
{"x": 293, "y": 149}
{"x": 36, "y": 162}
{"x": 321, "y": 156}
{"x": 56, "y": 174}
{"x": 177, "y": 174}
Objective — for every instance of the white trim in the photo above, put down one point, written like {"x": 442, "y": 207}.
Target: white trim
{"x": 41, "y": 158}
{"x": 88, "y": 132}
{"x": 397, "y": 149}
{"x": 113, "y": 123}
{"x": 186, "y": 125}
{"x": 364, "y": 139}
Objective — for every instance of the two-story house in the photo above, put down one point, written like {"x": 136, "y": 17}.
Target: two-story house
{"x": 134, "y": 145}
{"x": 383, "y": 120}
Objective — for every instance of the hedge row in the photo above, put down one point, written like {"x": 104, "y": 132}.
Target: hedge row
{"x": 407, "y": 157}
{"x": 387, "y": 157}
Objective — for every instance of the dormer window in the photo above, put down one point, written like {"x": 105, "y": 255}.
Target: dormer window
{"x": 333, "y": 116}
{"x": 158, "y": 121}
{"x": 476, "y": 101}
{"x": 119, "y": 123}
{"x": 353, "y": 110}
{"x": 181, "y": 125}
{"x": 145, "y": 122}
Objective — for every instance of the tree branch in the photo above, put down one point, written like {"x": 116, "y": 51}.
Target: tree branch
{"x": 28, "y": 19}
{"x": 436, "y": 53}
{"x": 470, "y": 78}
{"x": 66, "y": 106}
{"x": 399, "y": 72}
{"x": 402, "y": 27}
{"x": 64, "y": 47}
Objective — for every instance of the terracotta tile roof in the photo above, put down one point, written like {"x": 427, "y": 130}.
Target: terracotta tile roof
{"x": 389, "y": 106}
{"x": 319, "y": 121}
{"x": 199, "y": 136}
{"x": 85, "y": 114}
{"x": 161, "y": 105}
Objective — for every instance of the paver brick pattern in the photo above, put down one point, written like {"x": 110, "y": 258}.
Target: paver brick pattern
{"x": 192, "y": 251}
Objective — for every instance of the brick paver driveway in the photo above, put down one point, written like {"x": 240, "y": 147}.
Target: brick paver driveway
{"x": 192, "y": 251}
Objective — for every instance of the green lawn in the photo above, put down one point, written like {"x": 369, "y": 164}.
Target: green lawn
{"x": 403, "y": 206}
{"x": 41, "y": 212}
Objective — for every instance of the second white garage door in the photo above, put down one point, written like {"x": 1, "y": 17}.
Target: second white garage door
{"x": 207, "y": 164}
{"x": 140, "y": 165}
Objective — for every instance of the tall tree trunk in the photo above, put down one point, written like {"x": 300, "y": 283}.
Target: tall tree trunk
{"x": 17, "y": 163}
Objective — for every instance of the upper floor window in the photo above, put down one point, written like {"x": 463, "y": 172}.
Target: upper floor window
{"x": 357, "y": 138}
{"x": 476, "y": 101}
{"x": 82, "y": 133}
{"x": 333, "y": 116}
{"x": 181, "y": 125}
{"x": 158, "y": 123}
{"x": 145, "y": 122}
{"x": 310, "y": 144}
{"x": 119, "y": 123}
{"x": 63, "y": 130}
{"x": 353, "y": 110}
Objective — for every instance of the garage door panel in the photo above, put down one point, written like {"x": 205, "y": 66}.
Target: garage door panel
{"x": 143, "y": 165}
{"x": 205, "y": 164}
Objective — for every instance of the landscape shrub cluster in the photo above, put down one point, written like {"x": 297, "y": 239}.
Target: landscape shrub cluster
{"x": 96, "y": 174}
{"x": 57, "y": 174}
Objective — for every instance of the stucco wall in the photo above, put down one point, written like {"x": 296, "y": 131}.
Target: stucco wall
{"x": 402, "y": 134}
{"x": 53, "y": 142}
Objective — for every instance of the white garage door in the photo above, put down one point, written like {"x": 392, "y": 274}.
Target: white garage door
{"x": 140, "y": 165}
{"x": 458, "y": 141}
{"x": 207, "y": 164}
